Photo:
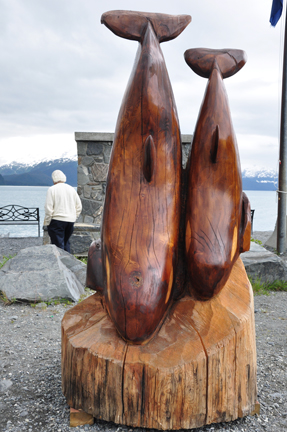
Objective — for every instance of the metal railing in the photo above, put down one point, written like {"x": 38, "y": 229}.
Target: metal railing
{"x": 18, "y": 215}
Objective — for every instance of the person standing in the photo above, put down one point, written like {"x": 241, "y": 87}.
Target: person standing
{"x": 62, "y": 207}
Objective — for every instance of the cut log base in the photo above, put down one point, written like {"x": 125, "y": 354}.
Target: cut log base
{"x": 199, "y": 369}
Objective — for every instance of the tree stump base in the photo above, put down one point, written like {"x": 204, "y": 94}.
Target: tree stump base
{"x": 200, "y": 367}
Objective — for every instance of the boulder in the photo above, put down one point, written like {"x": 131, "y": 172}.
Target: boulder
{"x": 43, "y": 273}
{"x": 263, "y": 264}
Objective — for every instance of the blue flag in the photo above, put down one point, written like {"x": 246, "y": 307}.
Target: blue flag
{"x": 276, "y": 12}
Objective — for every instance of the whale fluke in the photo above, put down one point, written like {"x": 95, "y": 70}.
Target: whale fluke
{"x": 132, "y": 25}
{"x": 203, "y": 60}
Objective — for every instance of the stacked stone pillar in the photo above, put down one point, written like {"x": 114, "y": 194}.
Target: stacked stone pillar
{"x": 94, "y": 150}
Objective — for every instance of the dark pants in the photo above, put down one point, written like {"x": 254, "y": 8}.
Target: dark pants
{"x": 60, "y": 232}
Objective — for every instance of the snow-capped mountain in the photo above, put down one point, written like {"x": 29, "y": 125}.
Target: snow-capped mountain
{"x": 38, "y": 173}
{"x": 259, "y": 179}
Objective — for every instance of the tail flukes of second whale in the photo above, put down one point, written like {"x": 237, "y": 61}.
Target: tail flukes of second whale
{"x": 132, "y": 25}
{"x": 202, "y": 61}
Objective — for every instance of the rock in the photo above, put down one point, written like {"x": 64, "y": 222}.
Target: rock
{"x": 4, "y": 385}
{"x": 80, "y": 243}
{"x": 43, "y": 273}
{"x": 262, "y": 264}
{"x": 278, "y": 395}
{"x": 75, "y": 266}
{"x": 41, "y": 305}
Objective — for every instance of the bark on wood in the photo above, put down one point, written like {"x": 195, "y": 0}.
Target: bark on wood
{"x": 198, "y": 369}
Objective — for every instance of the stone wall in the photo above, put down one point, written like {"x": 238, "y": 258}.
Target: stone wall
{"x": 94, "y": 150}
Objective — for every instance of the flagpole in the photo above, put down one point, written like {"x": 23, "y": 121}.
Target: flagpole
{"x": 282, "y": 178}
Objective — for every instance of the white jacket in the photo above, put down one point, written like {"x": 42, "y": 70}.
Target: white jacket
{"x": 62, "y": 203}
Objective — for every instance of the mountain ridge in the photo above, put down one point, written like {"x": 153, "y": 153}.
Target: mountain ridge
{"x": 39, "y": 174}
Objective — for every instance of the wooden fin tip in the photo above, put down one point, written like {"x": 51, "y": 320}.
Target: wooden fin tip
{"x": 256, "y": 409}
{"x": 80, "y": 418}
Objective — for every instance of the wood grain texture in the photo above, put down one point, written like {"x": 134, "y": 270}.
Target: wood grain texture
{"x": 141, "y": 215}
{"x": 198, "y": 369}
{"x": 215, "y": 223}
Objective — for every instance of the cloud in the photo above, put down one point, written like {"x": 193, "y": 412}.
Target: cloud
{"x": 37, "y": 147}
{"x": 62, "y": 71}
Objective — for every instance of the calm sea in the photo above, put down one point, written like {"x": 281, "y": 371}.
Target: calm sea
{"x": 264, "y": 203}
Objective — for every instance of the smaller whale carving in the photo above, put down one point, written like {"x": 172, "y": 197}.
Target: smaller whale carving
{"x": 141, "y": 217}
{"x": 218, "y": 221}
{"x": 94, "y": 278}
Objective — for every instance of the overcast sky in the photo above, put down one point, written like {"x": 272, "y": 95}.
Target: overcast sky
{"x": 62, "y": 71}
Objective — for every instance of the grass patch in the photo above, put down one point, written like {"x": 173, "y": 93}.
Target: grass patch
{"x": 52, "y": 302}
{"x": 4, "y": 299}
{"x": 264, "y": 288}
{"x": 256, "y": 241}
{"x": 5, "y": 259}
{"x": 81, "y": 258}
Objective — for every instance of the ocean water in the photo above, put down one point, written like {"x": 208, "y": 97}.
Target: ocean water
{"x": 263, "y": 202}
{"x": 26, "y": 196}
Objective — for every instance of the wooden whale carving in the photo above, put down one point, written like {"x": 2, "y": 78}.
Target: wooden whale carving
{"x": 94, "y": 277}
{"x": 218, "y": 220}
{"x": 141, "y": 215}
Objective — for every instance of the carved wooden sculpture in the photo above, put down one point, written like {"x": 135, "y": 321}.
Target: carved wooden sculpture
{"x": 200, "y": 368}
{"x": 142, "y": 209}
{"x": 162, "y": 357}
{"x": 216, "y": 212}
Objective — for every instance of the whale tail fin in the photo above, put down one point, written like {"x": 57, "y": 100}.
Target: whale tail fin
{"x": 132, "y": 25}
{"x": 202, "y": 61}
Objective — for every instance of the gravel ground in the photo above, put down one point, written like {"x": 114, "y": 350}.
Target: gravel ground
{"x": 12, "y": 245}
{"x": 30, "y": 370}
